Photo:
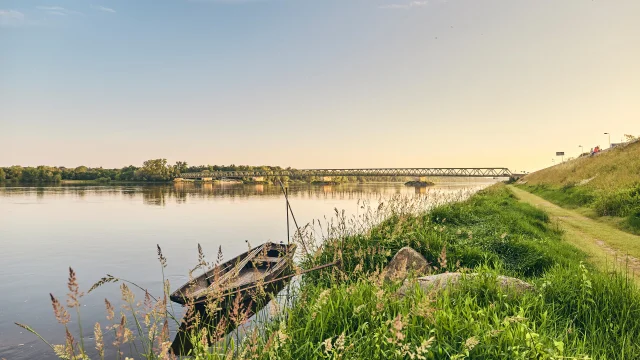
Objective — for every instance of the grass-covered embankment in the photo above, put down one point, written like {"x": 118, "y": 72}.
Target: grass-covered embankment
{"x": 575, "y": 311}
{"x": 604, "y": 186}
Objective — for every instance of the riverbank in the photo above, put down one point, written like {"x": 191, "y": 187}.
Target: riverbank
{"x": 351, "y": 312}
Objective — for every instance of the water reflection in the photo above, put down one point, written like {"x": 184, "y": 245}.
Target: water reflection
{"x": 181, "y": 193}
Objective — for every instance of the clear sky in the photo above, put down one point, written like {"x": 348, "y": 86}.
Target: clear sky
{"x": 315, "y": 83}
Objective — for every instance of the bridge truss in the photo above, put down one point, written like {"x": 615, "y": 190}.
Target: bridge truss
{"x": 417, "y": 172}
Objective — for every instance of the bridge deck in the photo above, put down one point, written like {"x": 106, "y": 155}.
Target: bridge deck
{"x": 460, "y": 172}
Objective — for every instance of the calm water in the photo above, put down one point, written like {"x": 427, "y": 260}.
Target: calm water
{"x": 115, "y": 229}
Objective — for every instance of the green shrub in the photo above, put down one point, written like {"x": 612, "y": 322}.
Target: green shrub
{"x": 620, "y": 203}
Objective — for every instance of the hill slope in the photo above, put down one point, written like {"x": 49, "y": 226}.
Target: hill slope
{"x": 605, "y": 185}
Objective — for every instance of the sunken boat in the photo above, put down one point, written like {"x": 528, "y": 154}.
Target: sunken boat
{"x": 242, "y": 285}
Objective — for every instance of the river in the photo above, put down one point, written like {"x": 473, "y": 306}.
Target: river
{"x": 115, "y": 229}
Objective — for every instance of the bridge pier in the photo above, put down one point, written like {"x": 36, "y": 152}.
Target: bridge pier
{"x": 258, "y": 178}
{"x": 326, "y": 178}
{"x": 206, "y": 179}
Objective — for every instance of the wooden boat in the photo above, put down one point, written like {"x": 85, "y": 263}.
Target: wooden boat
{"x": 246, "y": 281}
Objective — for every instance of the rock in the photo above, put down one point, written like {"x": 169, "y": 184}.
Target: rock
{"x": 442, "y": 281}
{"x": 404, "y": 262}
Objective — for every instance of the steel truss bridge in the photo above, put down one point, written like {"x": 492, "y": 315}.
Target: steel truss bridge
{"x": 414, "y": 172}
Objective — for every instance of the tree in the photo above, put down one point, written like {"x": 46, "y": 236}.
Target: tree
{"x": 2, "y": 175}
{"x": 154, "y": 170}
{"x": 15, "y": 173}
{"x": 181, "y": 167}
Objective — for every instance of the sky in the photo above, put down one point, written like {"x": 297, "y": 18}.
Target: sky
{"x": 316, "y": 83}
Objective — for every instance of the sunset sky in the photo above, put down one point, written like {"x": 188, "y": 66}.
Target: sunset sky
{"x": 315, "y": 83}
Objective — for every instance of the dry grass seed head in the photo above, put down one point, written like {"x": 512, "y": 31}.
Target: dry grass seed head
{"x": 74, "y": 295}
{"x": 59, "y": 311}
{"x": 69, "y": 344}
{"x": 161, "y": 258}
{"x": 471, "y": 343}
{"x": 97, "y": 332}
{"x": 127, "y": 294}
{"x": 110, "y": 310}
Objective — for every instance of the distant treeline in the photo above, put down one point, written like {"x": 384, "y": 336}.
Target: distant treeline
{"x": 157, "y": 170}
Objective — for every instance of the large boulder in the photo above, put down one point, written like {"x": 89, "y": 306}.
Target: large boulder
{"x": 406, "y": 261}
{"x": 442, "y": 281}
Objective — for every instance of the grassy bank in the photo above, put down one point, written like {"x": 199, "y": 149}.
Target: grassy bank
{"x": 349, "y": 312}
{"x": 576, "y": 311}
{"x": 606, "y": 186}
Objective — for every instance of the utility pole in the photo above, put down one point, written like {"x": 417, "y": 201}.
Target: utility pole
{"x": 609, "y": 138}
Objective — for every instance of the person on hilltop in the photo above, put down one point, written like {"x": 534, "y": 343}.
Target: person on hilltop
{"x": 592, "y": 152}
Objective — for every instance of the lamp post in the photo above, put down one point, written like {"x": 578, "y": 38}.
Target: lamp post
{"x": 581, "y": 150}
{"x": 609, "y": 138}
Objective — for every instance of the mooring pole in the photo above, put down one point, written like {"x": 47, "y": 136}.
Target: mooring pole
{"x": 286, "y": 199}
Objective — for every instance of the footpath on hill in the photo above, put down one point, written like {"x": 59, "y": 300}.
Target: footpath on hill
{"x": 606, "y": 246}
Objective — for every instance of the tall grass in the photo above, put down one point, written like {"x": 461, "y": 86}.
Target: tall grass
{"x": 351, "y": 312}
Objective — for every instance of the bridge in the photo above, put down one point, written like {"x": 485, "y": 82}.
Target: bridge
{"x": 328, "y": 173}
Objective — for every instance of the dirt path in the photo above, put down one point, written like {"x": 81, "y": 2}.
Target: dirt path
{"x": 606, "y": 246}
